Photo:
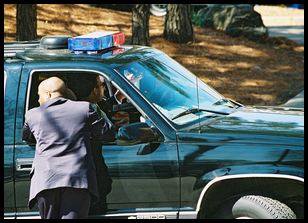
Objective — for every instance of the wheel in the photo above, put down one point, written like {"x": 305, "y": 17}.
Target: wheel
{"x": 258, "y": 207}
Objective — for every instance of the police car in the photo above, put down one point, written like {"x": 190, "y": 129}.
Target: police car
{"x": 186, "y": 151}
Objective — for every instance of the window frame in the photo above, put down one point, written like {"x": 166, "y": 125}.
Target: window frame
{"x": 5, "y": 78}
{"x": 30, "y": 81}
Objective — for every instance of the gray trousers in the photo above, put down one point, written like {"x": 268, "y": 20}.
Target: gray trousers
{"x": 64, "y": 203}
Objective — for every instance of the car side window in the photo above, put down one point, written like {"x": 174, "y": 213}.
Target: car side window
{"x": 37, "y": 77}
{"x": 120, "y": 114}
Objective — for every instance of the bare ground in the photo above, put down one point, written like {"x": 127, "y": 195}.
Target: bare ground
{"x": 251, "y": 73}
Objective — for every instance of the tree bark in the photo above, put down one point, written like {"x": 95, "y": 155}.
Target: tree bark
{"x": 178, "y": 25}
{"x": 140, "y": 24}
{"x": 26, "y": 22}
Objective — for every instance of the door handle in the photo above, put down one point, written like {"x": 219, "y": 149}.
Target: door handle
{"x": 24, "y": 164}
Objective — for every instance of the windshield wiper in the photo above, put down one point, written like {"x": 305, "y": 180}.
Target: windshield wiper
{"x": 196, "y": 110}
{"x": 223, "y": 101}
{"x": 227, "y": 100}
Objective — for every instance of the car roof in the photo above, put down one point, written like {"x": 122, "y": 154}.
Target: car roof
{"x": 115, "y": 56}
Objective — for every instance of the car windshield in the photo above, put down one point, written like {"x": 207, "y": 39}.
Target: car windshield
{"x": 172, "y": 89}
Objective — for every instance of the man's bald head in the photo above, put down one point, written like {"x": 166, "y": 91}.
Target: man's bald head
{"x": 52, "y": 84}
{"x": 50, "y": 88}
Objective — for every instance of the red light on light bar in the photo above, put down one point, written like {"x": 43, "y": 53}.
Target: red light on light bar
{"x": 118, "y": 38}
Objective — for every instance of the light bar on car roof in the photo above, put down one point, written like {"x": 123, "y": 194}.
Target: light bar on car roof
{"x": 96, "y": 41}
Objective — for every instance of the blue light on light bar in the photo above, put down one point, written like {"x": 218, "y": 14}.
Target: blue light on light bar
{"x": 95, "y": 41}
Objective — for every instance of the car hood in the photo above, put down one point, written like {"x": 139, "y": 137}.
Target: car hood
{"x": 264, "y": 120}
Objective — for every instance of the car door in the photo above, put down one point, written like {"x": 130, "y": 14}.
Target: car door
{"x": 145, "y": 179}
{"x": 11, "y": 82}
{"x": 24, "y": 153}
{"x": 145, "y": 176}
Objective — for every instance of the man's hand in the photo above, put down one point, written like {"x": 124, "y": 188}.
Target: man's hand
{"x": 120, "y": 118}
{"x": 119, "y": 96}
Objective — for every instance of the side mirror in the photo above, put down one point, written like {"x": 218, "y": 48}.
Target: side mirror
{"x": 136, "y": 133}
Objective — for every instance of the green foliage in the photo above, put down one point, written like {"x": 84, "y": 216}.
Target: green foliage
{"x": 196, "y": 20}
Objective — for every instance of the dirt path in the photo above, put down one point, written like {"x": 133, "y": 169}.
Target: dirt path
{"x": 249, "y": 72}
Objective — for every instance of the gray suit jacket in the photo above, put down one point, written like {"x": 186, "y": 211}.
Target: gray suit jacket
{"x": 62, "y": 130}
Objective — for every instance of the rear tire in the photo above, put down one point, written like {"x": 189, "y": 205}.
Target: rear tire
{"x": 258, "y": 207}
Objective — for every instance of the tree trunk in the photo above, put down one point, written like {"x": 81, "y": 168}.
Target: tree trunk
{"x": 178, "y": 26}
{"x": 140, "y": 26}
{"x": 26, "y": 22}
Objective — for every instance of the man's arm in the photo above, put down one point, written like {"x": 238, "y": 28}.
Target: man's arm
{"x": 101, "y": 129}
{"x": 27, "y": 135}
{"x": 116, "y": 99}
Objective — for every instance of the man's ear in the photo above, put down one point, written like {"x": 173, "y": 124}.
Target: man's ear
{"x": 48, "y": 95}
{"x": 94, "y": 91}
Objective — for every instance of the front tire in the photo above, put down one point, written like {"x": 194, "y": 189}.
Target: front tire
{"x": 259, "y": 207}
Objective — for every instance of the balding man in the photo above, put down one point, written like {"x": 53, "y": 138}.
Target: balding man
{"x": 63, "y": 179}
